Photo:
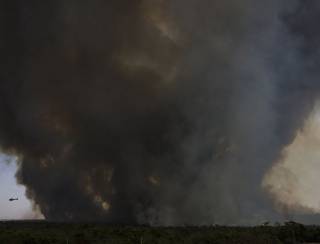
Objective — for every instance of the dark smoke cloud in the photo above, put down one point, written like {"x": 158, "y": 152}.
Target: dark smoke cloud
{"x": 162, "y": 112}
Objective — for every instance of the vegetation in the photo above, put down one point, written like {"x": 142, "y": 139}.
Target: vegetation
{"x": 29, "y": 232}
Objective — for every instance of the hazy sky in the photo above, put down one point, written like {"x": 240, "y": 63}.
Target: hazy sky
{"x": 17, "y": 209}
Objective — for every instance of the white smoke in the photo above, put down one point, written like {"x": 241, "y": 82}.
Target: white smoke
{"x": 293, "y": 181}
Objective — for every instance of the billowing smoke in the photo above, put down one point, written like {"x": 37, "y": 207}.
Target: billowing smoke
{"x": 154, "y": 111}
{"x": 294, "y": 178}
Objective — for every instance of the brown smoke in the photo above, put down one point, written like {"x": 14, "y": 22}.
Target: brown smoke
{"x": 140, "y": 111}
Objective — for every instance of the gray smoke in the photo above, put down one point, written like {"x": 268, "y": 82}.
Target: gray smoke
{"x": 161, "y": 112}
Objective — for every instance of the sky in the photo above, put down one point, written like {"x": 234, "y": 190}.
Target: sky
{"x": 20, "y": 209}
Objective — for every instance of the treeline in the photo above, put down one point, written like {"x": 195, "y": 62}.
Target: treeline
{"x": 84, "y": 233}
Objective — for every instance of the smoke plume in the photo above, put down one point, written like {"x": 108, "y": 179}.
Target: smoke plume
{"x": 154, "y": 111}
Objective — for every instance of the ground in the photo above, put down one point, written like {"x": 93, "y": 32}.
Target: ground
{"x": 29, "y": 232}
